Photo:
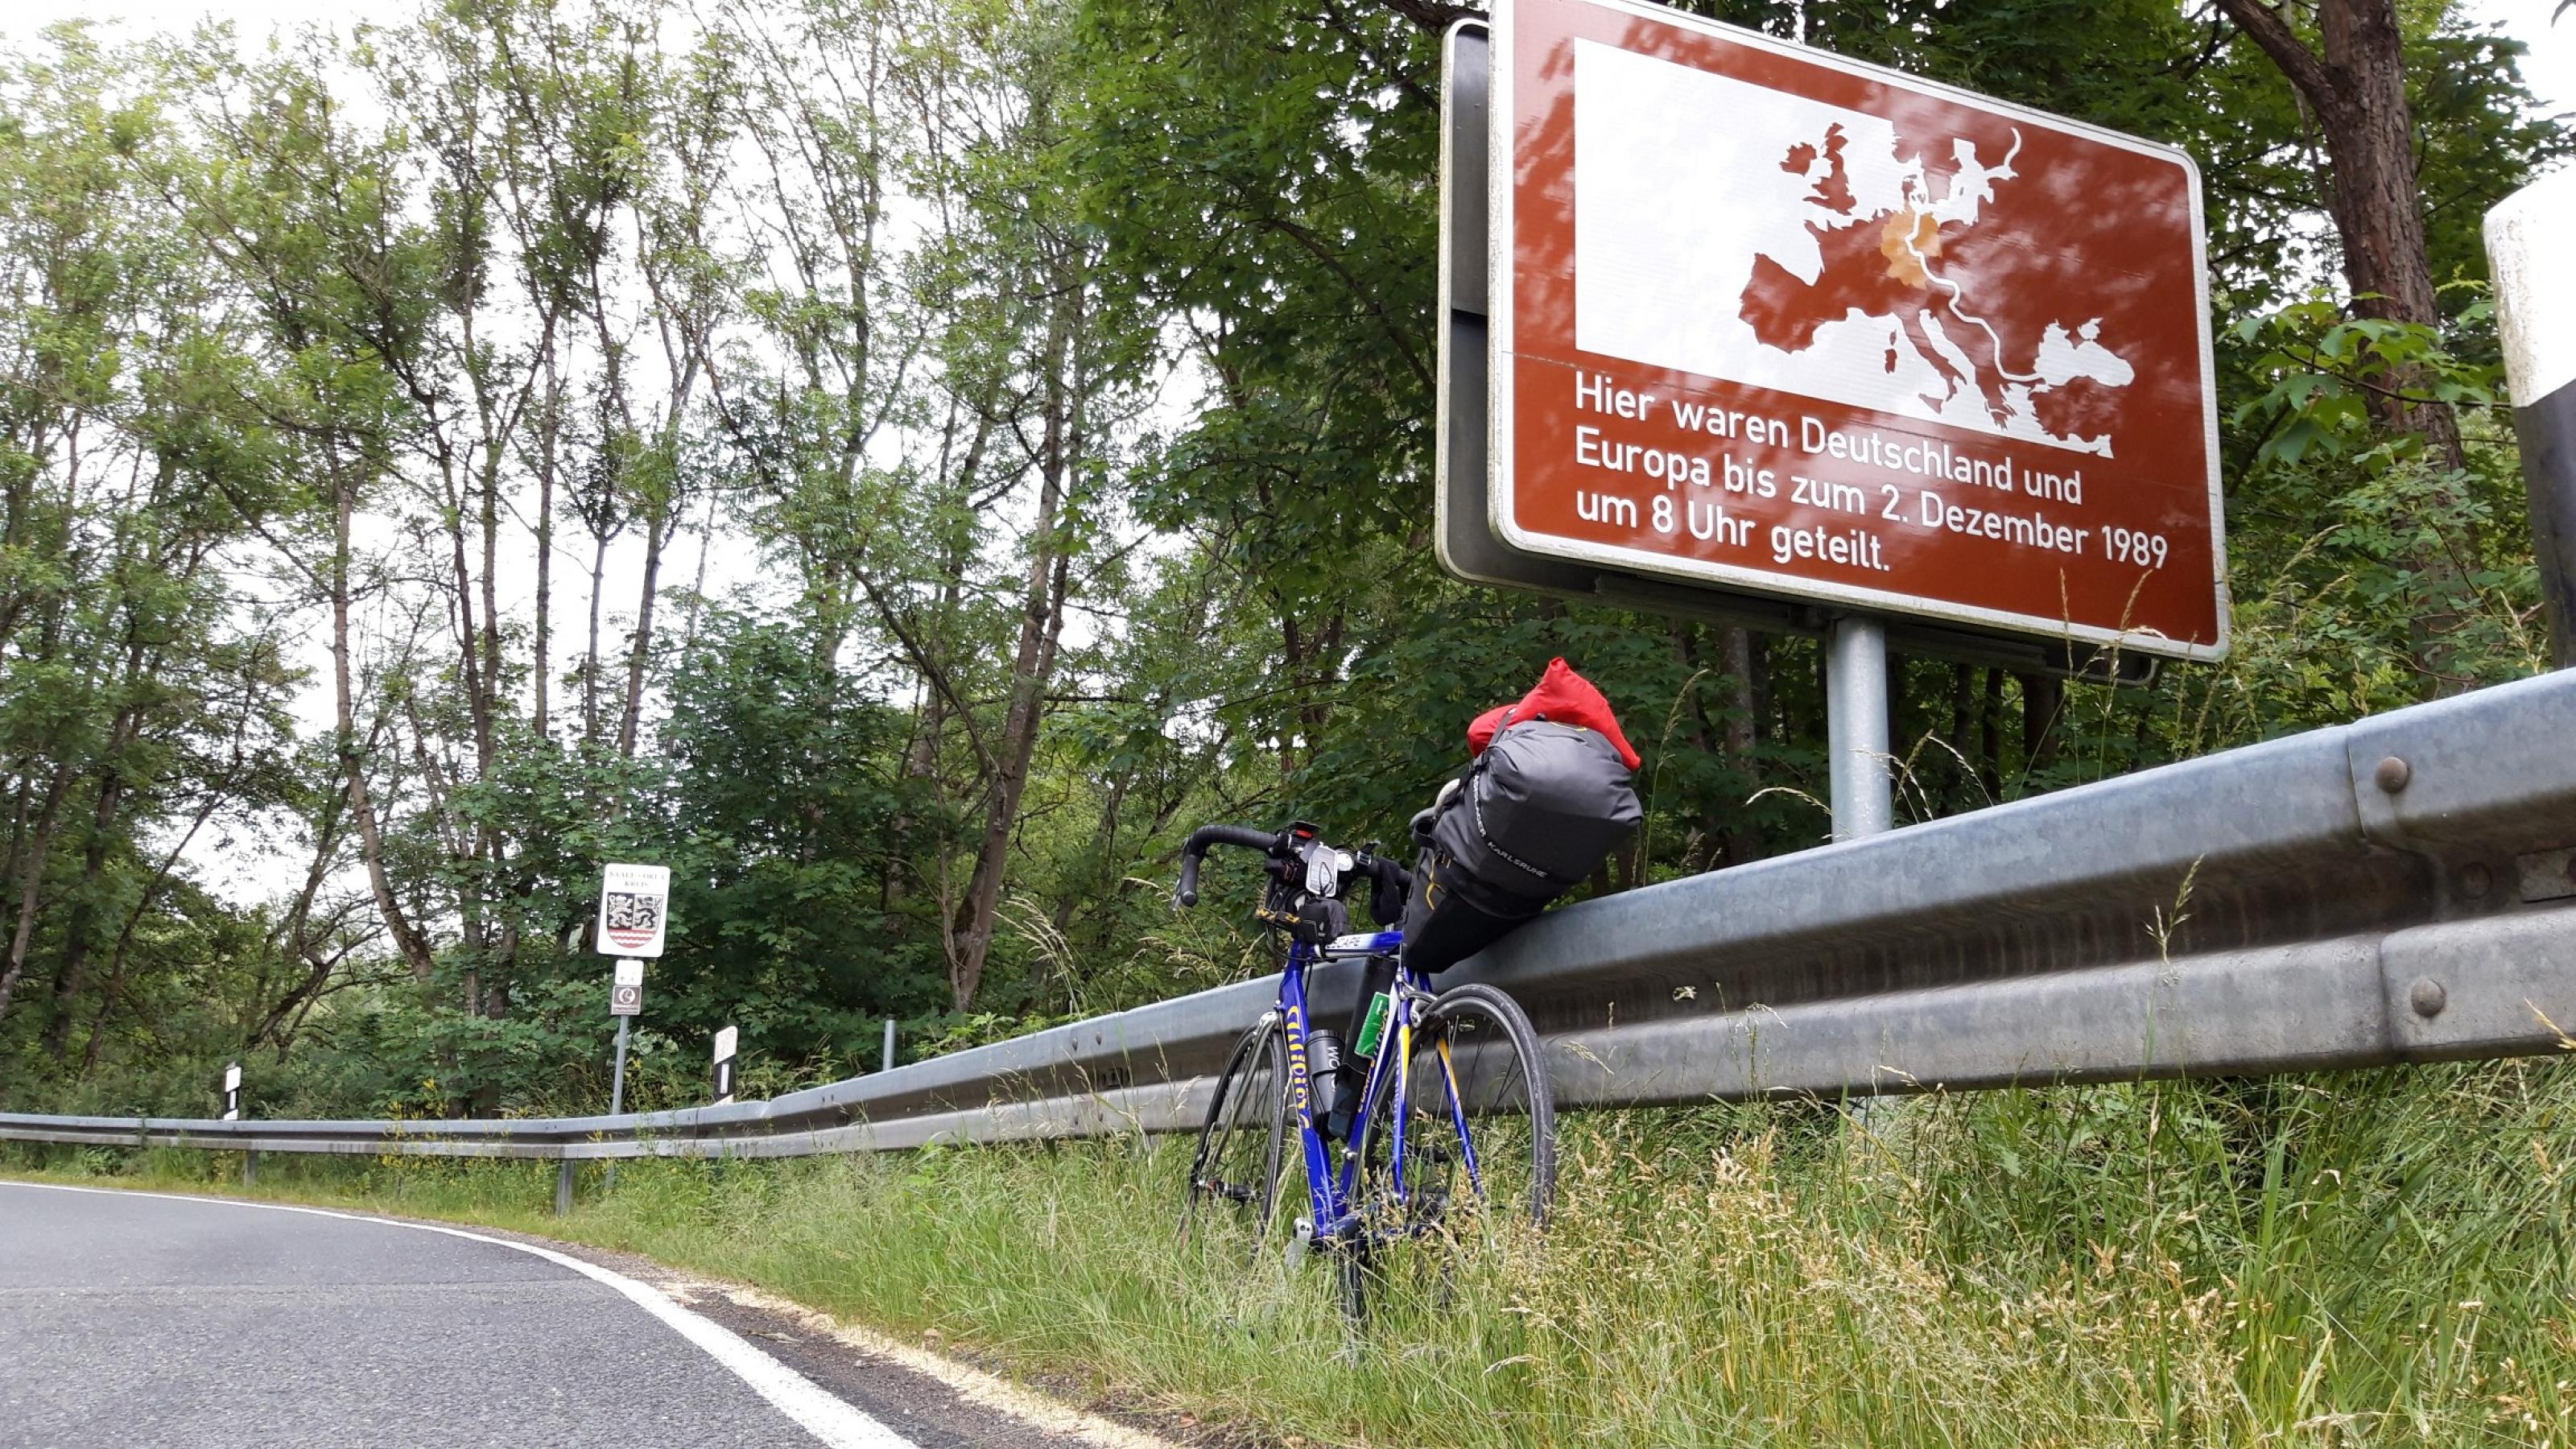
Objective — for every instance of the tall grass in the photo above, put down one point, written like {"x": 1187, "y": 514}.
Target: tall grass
{"x": 2362, "y": 1259}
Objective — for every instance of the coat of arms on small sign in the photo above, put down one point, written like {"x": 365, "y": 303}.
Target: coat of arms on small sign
{"x": 633, "y": 917}
{"x": 634, "y": 909}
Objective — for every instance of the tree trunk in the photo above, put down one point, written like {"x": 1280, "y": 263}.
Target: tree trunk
{"x": 353, "y": 762}
{"x": 31, "y": 883}
{"x": 2357, "y": 91}
{"x": 547, "y": 435}
{"x": 1041, "y": 624}
{"x": 77, "y": 930}
{"x": 656, "y": 534}
{"x": 119, "y": 958}
{"x": 2042, "y": 696}
{"x": 1962, "y": 708}
{"x": 1990, "y": 737}
{"x": 1736, "y": 835}
{"x": 590, "y": 653}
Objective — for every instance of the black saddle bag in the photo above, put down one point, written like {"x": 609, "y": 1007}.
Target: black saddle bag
{"x": 1530, "y": 820}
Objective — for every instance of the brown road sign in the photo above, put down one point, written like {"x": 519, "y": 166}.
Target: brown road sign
{"x": 1778, "y": 322}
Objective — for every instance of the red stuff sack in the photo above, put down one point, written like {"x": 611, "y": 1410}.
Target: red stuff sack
{"x": 1560, "y": 695}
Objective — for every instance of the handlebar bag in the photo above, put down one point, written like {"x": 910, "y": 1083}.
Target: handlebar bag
{"x": 1540, "y": 808}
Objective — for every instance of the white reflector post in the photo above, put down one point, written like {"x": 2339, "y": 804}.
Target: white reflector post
{"x": 725, "y": 1038}
{"x": 2535, "y": 294}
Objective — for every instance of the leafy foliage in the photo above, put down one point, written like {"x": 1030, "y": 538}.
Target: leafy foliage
{"x": 1044, "y": 397}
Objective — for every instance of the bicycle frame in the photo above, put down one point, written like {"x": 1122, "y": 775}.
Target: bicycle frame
{"x": 1334, "y": 1194}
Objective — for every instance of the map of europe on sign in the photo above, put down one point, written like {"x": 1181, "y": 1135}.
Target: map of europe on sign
{"x": 1792, "y": 324}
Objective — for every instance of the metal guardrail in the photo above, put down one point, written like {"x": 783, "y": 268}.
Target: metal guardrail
{"x": 2400, "y": 889}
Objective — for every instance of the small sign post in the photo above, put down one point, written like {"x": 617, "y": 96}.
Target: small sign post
{"x": 232, "y": 1092}
{"x": 634, "y": 916}
{"x": 625, "y": 999}
{"x": 725, "y": 1039}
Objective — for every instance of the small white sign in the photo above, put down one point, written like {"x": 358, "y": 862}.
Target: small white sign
{"x": 634, "y": 909}
{"x": 626, "y": 988}
{"x": 725, "y": 1038}
{"x": 232, "y": 1077}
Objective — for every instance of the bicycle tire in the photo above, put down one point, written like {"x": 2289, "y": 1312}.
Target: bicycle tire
{"x": 1237, "y": 1161}
{"x": 1517, "y": 1093}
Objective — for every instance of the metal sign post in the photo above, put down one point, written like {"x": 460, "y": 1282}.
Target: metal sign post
{"x": 725, "y": 1039}
{"x": 1856, "y": 727}
{"x": 2536, "y": 315}
{"x": 634, "y": 917}
{"x": 625, "y": 1000}
{"x": 232, "y": 1091}
{"x": 889, "y": 1045}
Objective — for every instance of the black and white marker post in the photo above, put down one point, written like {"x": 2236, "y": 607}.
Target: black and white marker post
{"x": 2535, "y": 293}
{"x": 724, "y": 1065}
{"x": 232, "y": 1113}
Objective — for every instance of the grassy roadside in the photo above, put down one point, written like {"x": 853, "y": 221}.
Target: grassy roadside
{"x": 2368, "y": 1258}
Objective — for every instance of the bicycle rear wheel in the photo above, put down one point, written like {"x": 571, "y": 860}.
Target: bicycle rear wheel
{"x": 1480, "y": 1124}
{"x": 1233, "y": 1184}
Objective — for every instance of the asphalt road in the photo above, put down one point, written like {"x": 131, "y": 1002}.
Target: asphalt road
{"x": 128, "y": 1319}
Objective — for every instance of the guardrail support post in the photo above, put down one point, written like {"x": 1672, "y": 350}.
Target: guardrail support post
{"x": 2536, "y": 315}
{"x": 564, "y": 1168}
{"x": 250, "y": 1168}
{"x": 1856, "y": 726}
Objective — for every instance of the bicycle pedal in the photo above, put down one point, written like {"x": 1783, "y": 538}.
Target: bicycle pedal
{"x": 1301, "y": 1244}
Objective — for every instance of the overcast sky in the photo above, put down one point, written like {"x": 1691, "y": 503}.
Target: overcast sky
{"x": 2551, "y": 66}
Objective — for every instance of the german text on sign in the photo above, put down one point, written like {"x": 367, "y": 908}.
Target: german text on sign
{"x": 1783, "y": 322}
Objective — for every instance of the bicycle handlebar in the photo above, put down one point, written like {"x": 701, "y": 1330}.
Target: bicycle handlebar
{"x": 1389, "y": 883}
{"x": 1264, "y": 841}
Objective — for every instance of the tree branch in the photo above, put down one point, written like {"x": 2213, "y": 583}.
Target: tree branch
{"x": 2305, "y": 69}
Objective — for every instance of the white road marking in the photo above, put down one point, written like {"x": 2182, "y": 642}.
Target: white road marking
{"x": 830, "y": 1419}
{"x": 970, "y": 1383}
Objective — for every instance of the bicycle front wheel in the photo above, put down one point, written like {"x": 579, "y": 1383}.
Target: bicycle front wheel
{"x": 1479, "y": 1122}
{"x": 1234, "y": 1172}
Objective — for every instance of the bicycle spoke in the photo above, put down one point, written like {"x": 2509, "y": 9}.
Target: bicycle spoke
{"x": 1478, "y": 1138}
{"x": 1235, "y": 1172}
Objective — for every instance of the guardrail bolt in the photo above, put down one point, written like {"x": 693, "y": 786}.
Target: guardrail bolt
{"x": 2428, "y": 997}
{"x": 2393, "y": 773}
{"x": 2476, "y": 880}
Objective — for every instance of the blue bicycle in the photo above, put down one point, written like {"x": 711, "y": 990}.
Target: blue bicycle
{"x": 1453, "y": 1130}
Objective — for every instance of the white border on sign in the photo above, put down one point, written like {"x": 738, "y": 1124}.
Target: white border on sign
{"x": 1500, "y": 169}
{"x": 640, "y": 879}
